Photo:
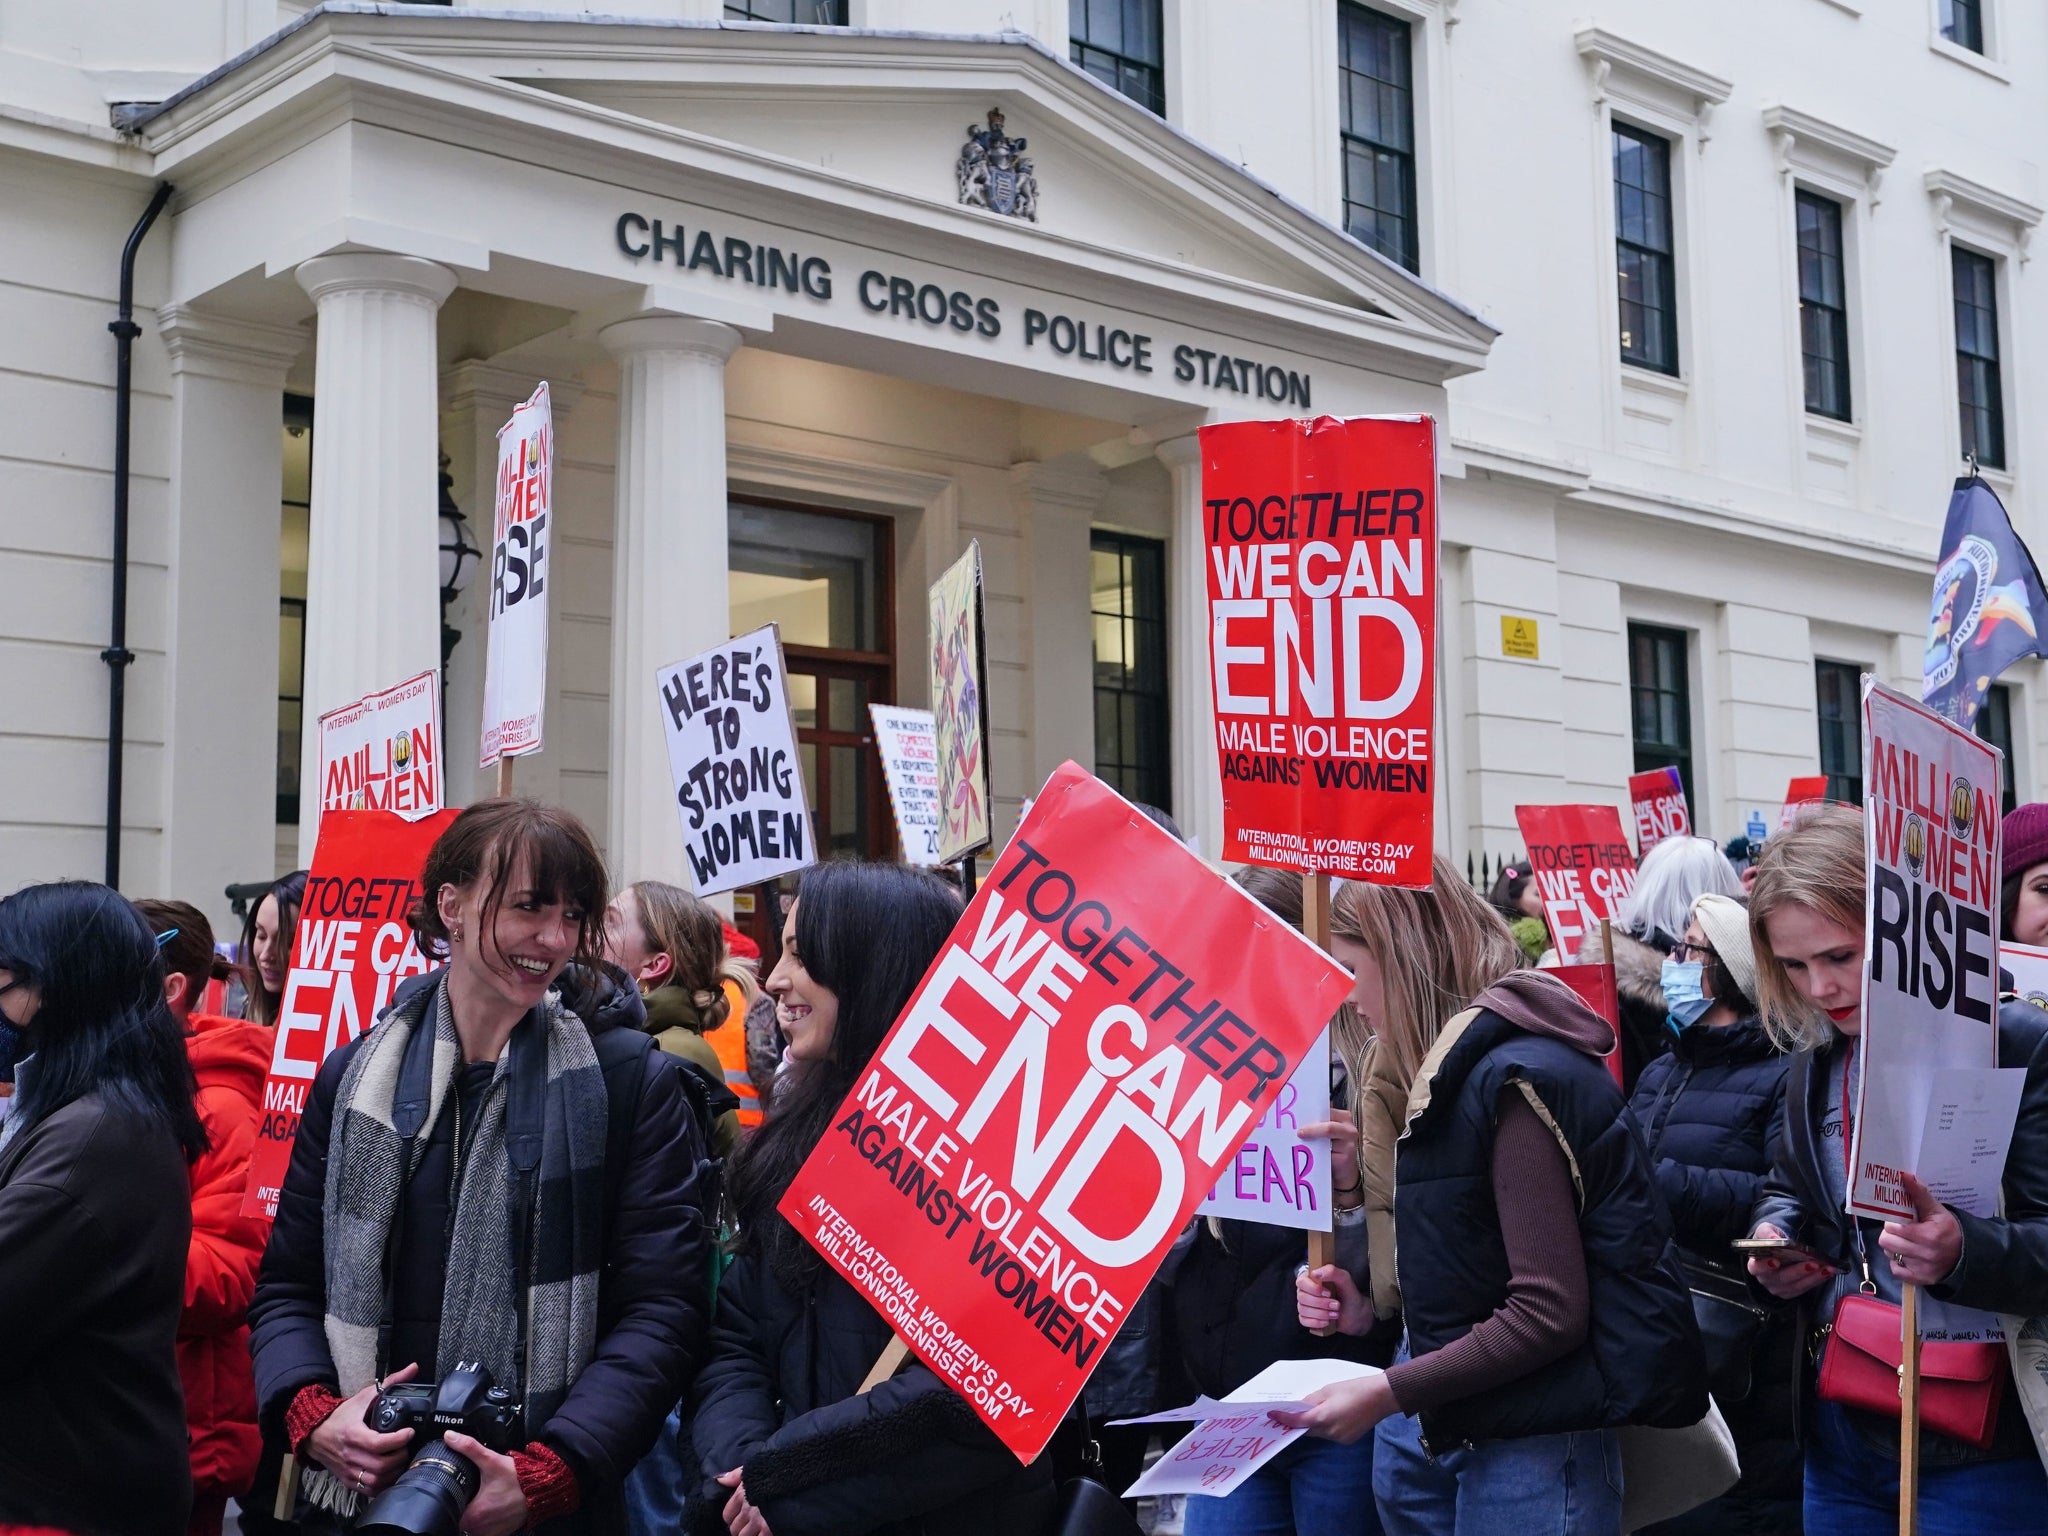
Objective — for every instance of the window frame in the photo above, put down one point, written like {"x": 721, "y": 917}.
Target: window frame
{"x": 1152, "y": 782}
{"x": 1648, "y": 754}
{"x": 1618, "y": 128}
{"x": 1846, "y": 787}
{"x": 745, "y": 9}
{"x": 1961, "y": 252}
{"x": 1980, "y": 44}
{"x": 1157, "y": 69}
{"x": 1837, "y": 315}
{"x": 1410, "y": 255}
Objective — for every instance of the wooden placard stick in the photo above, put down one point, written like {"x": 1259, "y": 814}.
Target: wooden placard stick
{"x": 1315, "y": 924}
{"x": 504, "y": 778}
{"x": 886, "y": 1364}
{"x": 1909, "y": 1410}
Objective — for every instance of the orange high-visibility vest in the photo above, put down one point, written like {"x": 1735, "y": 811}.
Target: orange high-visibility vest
{"x": 730, "y": 1041}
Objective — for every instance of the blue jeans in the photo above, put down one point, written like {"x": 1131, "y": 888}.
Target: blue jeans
{"x": 655, "y": 1487}
{"x": 1313, "y": 1488}
{"x": 1545, "y": 1485}
{"x": 1852, "y": 1490}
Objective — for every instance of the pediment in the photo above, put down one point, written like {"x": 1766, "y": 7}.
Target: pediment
{"x": 847, "y": 127}
{"x": 1089, "y": 191}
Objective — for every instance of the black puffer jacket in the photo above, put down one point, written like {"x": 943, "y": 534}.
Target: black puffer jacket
{"x": 777, "y": 1398}
{"x": 2005, "y": 1260}
{"x": 1709, "y": 1112}
{"x": 95, "y": 1218}
{"x": 650, "y": 1291}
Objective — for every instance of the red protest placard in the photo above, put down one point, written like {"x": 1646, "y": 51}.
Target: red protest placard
{"x": 1599, "y": 991}
{"x": 1800, "y": 793}
{"x": 352, "y": 949}
{"x": 1659, "y": 800}
{"x": 1582, "y": 864}
{"x": 1106, "y": 1025}
{"x": 1322, "y": 561}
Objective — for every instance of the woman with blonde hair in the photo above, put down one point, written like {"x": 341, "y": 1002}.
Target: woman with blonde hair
{"x": 672, "y": 945}
{"x": 1807, "y": 923}
{"x": 1542, "y": 1303}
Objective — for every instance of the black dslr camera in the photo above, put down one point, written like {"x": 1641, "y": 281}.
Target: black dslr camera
{"x": 435, "y": 1488}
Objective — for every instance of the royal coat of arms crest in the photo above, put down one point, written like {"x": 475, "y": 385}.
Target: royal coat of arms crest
{"x": 995, "y": 173}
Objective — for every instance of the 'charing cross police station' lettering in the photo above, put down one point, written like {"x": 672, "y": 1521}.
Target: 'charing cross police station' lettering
{"x": 939, "y": 308}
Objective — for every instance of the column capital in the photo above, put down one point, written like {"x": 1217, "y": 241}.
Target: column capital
{"x": 1179, "y": 452}
{"x": 670, "y": 333}
{"x": 376, "y": 271}
{"x": 221, "y": 347}
{"x": 493, "y": 389}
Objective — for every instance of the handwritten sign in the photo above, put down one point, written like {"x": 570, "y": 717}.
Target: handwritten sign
{"x": 907, "y": 742}
{"x": 1280, "y": 1177}
{"x": 732, "y": 752}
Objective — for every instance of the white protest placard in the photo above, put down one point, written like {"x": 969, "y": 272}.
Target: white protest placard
{"x": 1930, "y": 969}
{"x": 1234, "y": 1437}
{"x": 910, "y": 763}
{"x": 732, "y": 751}
{"x": 383, "y": 752}
{"x": 1279, "y": 1176}
{"x": 516, "y": 659}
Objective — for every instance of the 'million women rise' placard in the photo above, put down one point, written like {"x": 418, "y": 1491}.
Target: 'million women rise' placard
{"x": 1322, "y": 556}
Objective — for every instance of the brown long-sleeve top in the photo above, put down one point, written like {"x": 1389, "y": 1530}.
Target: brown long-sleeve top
{"x": 1544, "y": 1317}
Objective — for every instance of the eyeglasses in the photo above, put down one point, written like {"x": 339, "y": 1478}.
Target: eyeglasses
{"x": 1683, "y": 952}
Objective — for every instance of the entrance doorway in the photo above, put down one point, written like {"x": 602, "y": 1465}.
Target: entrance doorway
{"x": 827, "y": 579}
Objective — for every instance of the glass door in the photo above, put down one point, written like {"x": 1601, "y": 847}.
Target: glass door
{"x": 825, "y": 578}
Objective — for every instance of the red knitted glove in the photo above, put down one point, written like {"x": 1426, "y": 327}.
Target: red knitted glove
{"x": 549, "y": 1485}
{"x": 309, "y": 1410}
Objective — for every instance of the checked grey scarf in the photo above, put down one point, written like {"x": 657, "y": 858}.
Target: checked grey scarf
{"x": 563, "y": 1088}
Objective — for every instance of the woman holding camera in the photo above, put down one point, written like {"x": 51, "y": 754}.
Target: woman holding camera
{"x": 489, "y": 1176}
{"x": 1806, "y": 918}
{"x": 95, "y": 1216}
{"x": 788, "y": 1443}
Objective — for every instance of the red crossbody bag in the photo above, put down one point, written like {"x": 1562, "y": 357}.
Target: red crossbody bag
{"x": 1863, "y": 1348}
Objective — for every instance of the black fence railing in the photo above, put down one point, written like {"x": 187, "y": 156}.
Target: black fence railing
{"x": 1481, "y": 875}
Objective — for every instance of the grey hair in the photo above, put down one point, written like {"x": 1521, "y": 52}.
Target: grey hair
{"x": 1673, "y": 875}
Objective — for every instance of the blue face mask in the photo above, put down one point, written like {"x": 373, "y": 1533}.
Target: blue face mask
{"x": 1683, "y": 996}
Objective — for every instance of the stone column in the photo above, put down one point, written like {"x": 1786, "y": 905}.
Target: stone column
{"x": 1057, "y": 507}
{"x": 373, "y": 585}
{"x": 668, "y": 563}
{"x": 220, "y": 682}
{"x": 1197, "y": 787}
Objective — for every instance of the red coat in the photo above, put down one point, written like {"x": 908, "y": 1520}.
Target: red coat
{"x": 230, "y": 1058}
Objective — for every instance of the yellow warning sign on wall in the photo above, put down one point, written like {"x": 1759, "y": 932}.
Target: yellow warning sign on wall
{"x": 1518, "y": 636}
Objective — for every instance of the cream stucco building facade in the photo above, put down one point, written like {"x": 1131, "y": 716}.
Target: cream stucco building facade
{"x": 793, "y": 374}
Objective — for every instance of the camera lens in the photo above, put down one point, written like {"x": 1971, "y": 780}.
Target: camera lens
{"x": 429, "y": 1497}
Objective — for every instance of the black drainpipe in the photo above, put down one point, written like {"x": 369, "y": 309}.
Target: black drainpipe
{"x": 117, "y": 656}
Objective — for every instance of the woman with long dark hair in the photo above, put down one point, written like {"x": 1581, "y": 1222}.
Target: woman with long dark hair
{"x": 95, "y": 1216}
{"x": 788, "y": 1444}
{"x": 266, "y": 954}
{"x": 499, "y": 1173}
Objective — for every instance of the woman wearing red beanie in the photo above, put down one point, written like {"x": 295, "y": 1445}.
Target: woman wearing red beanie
{"x": 2024, "y": 894}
